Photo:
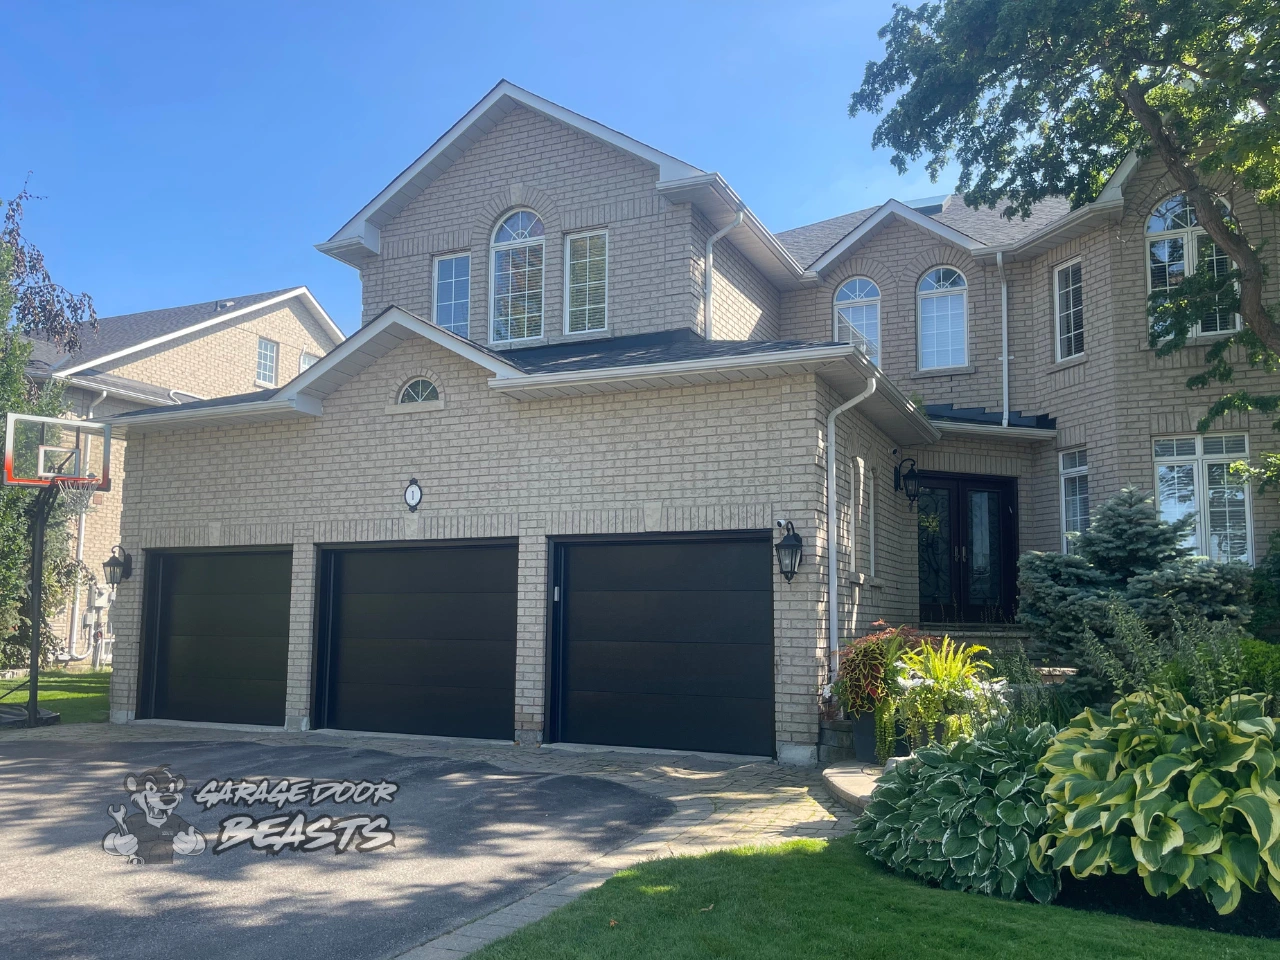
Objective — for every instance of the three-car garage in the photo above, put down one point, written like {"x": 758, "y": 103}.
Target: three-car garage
{"x": 653, "y": 641}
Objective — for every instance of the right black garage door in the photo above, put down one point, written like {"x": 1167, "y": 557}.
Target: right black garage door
{"x": 665, "y": 643}
{"x": 419, "y": 639}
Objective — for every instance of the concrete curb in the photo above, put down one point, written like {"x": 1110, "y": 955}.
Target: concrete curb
{"x": 851, "y": 783}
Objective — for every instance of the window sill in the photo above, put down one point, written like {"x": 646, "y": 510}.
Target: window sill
{"x": 1075, "y": 361}
{"x": 422, "y": 406}
{"x": 587, "y": 334}
{"x": 865, "y": 580}
{"x": 264, "y": 384}
{"x": 942, "y": 372}
{"x": 515, "y": 344}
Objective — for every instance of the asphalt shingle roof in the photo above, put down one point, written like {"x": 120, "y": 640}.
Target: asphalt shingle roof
{"x": 808, "y": 243}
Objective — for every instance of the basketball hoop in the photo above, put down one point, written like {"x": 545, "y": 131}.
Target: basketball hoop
{"x": 77, "y": 491}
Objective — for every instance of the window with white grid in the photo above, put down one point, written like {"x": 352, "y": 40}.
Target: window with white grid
{"x": 857, "y": 319}
{"x": 586, "y": 282}
{"x": 267, "y": 353}
{"x": 516, "y": 274}
{"x": 1069, "y": 288}
{"x": 453, "y": 294}
{"x": 942, "y": 309}
{"x": 1194, "y": 480}
{"x": 1074, "y": 472}
{"x": 1177, "y": 246}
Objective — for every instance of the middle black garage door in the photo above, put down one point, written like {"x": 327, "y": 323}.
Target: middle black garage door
{"x": 419, "y": 640}
{"x": 665, "y": 642}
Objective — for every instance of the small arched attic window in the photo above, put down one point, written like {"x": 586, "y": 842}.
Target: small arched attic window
{"x": 420, "y": 390}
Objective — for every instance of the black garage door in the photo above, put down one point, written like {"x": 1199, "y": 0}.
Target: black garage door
{"x": 217, "y": 636}
{"x": 419, "y": 640}
{"x": 665, "y": 643}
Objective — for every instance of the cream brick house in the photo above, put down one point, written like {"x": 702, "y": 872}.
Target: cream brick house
{"x": 537, "y": 495}
{"x": 162, "y": 358}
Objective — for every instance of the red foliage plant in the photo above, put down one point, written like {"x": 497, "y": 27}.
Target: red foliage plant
{"x": 864, "y": 676}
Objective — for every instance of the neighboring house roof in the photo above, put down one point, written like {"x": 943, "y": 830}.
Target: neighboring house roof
{"x": 644, "y": 361}
{"x": 119, "y": 336}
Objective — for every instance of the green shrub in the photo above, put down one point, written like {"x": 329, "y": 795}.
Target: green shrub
{"x": 1188, "y": 799}
{"x": 1265, "y": 624}
{"x": 1262, "y": 669}
{"x": 1029, "y": 700}
{"x": 966, "y": 816}
{"x": 865, "y": 677}
{"x": 945, "y": 692}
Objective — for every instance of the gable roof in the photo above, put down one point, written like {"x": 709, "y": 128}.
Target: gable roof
{"x": 359, "y": 237}
{"x": 119, "y": 336}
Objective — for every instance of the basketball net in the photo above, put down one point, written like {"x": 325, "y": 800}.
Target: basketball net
{"x": 77, "y": 491}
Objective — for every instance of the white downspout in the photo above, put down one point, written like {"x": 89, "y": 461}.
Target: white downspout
{"x": 833, "y": 567}
{"x": 73, "y": 629}
{"x": 707, "y": 273}
{"x": 1004, "y": 340}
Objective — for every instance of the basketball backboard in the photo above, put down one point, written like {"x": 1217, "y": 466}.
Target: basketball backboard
{"x": 41, "y": 450}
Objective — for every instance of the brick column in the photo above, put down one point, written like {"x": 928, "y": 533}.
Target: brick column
{"x": 126, "y": 654}
{"x": 297, "y": 698}
{"x": 531, "y": 630}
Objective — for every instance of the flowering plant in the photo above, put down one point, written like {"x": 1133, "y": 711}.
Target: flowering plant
{"x": 945, "y": 691}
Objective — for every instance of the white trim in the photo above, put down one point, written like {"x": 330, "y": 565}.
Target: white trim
{"x": 436, "y": 260}
{"x": 360, "y": 235}
{"x": 1190, "y": 260}
{"x": 1063, "y": 474}
{"x": 893, "y": 208}
{"x": 937, "y": 294}
{"x": 303, "y": 356}
{"x": 494, "y": 249}
{"x": 310, "y": 406}
{"x": 835, "y": 314}
{"x": 275, "y": 363}
{"x": 1057, "y": 302}
{"x": 568, "y": 238}
{"x": 302, "y": 292}
{"x": 994, "y": 430}
{"x": 410, "y": 382}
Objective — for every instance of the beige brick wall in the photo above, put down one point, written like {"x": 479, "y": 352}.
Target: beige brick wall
{"x": 724, "y": 457}
{"x": 223, "y": 360}
{"x": 744, "y": 305}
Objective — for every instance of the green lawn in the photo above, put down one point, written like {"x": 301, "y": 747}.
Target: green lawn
{"x": 813, "y": 899}
{"x": 79, "y": 697}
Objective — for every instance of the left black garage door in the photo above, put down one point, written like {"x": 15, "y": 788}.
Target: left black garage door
{"x": 419, "y": 639}
{"x": 217, "y": 636}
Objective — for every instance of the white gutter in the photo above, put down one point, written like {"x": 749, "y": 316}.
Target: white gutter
{"x": 1004, "y": 340}
{"x": 833, "y": 584}
{"x": 309, "y": 406}
{"x": 707, "y": 273}
{"x": 75, "y": 602}
{"x": 994, "y": 430}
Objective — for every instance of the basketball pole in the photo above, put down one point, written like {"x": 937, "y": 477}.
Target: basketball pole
{"x": 41, "y": 508}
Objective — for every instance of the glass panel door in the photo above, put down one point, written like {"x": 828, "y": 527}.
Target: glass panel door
{"x": 967, "y": 549}
{"x": 938, "y": 553}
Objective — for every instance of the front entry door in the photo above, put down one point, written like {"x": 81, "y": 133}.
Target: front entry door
{"x": 968, "y": 548}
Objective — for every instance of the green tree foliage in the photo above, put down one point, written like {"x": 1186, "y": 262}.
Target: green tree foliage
{"x": 1037, "y": 98}
{"x": 1266, "y": 594}
{"x": 31, "y": 304}
{"x": 1130, "y": 558}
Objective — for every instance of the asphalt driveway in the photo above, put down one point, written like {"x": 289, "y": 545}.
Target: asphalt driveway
{"x": 468, "y": 838}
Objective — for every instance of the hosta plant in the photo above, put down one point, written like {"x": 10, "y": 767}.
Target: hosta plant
{"x": 1187, "y": 798}
{"x": 966, "y": 816}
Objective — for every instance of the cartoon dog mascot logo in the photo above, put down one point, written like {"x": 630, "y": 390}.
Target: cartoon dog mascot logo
{"x": 156, "y": 832}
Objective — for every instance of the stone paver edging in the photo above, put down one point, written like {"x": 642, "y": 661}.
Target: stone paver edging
{"x": 719, "y": 804}
{"x": 851, "y": 783}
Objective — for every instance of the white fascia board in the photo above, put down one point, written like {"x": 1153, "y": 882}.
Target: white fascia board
{"x": 215, "y": 320}
{"x": 362, "y": 230}
{"x": 314, "y": 306}
{"x": 1114, "y": 189}
{"x": 994, "y": 430}
{"x": 397, "y": 316}
{"x": 893, "y": 208}
{"x": 308, "y": 406}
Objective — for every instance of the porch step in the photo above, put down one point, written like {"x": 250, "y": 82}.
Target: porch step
{"x": 998, "y": 637}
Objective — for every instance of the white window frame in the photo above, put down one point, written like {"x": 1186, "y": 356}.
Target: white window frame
{"x": 583, "y": 235}
{"x": 1191, "y": 259}
{"x": 1065, "y": 473}
{"x": 859, "y": 338}
{"x": 1057, "y": 309}
{"x": 435, "y": 289}
{"x": 303, "y": 366}
{"x": 275, "y": 363}
{"x": 921, "y": 296}
{"x": 1201, "y": 462}
{"x": 494, "y": 249}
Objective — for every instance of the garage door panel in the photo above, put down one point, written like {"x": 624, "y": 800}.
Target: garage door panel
{"x": 226, "y": 614}
{"x": 670, "y": 722}
{"x": 227, "y": 574}
{"x": 736, "y": 617}
{"x": 689, "y": 669}
{"x": 249, "y": 658}
{"x": 688, "y": 566}
{"x": 232, "y": 700}
{"x": 445, "y": 570}
{"x": 435, "y": 711}
{"x": 478, "y": 664}
{"x": 432, "y": 616}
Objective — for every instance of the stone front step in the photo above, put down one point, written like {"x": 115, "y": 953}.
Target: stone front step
{"x": 850, "y": 784}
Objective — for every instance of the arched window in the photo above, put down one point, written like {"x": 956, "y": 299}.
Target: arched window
{"x": 517, "y": 278}
{"x": 419, "y": 391}
{"x": 943, "y": 313}
{"x": 857, "y": 318}
{"x": 1178, "y": 246}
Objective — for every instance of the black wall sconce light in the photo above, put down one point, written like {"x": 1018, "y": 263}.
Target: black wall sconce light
{"x": 790, "y": 551}
{"x": 117, "y": 567}
{"x": 907, "y": 480}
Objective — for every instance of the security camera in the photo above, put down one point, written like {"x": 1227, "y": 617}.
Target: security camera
{"x": 781, "y": 523}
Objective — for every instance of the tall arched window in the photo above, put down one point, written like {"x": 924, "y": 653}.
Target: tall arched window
{"x": 1177, "y": 246}
{"x": 516, "y": 278}
{"x": 857, "y": 316}
{"x": 943, "y": 312}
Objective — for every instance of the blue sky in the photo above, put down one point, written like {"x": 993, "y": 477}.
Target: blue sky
{"x": 195, "y": 151}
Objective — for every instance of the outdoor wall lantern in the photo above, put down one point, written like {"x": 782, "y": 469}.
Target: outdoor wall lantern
{"x": 119, "y": 566}
{"x": 908, "y": 480}
{"x": 790, "y": 552}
